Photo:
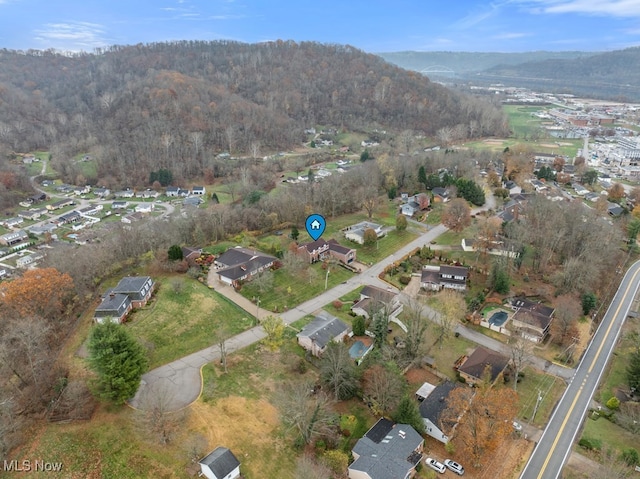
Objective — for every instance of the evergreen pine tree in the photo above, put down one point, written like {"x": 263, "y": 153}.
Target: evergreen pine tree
{"x": 118, "y": 359}
{"x": 408, "y": 413}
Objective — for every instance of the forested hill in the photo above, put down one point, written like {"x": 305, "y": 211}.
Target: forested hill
{"x": 611, "y": 74}
{"x": 172, "y": 105}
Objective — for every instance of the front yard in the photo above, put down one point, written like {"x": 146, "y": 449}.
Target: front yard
{"x": 289, "y": 290}
{"x": 184, "y": 316}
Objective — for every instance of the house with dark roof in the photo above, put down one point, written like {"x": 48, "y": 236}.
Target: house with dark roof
{"x": 320, "y": 249}
{"x": 532, "y": 320}
{"x": 432, "y": 409}
{"x": 440, "y": 195}
{"x": 480, "y": 362}
{"x": 435, "y": 278}
{"x": 114, "y": 307}
{"x": 172, "y": 191}
{"x": 131, "y": 292}
{"x": 316, "y": 336}
{"x": 190, "y": 254}
{"x": 241, "y": 264}
{"x": 198, "y": 190}
{"x": 387, "y": 451}
{"x": 220, "y": 464}
{"x": 60, "y": 204}
{"x": 374, "y": 300}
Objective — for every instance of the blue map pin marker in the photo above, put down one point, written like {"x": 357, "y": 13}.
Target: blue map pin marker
{"x": 315, "y": 225}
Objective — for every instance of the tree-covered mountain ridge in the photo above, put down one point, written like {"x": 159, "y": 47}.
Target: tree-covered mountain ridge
{"x": 173, "y": 105}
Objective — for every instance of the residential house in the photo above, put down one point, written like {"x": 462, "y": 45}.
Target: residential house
{"x": 539, "y": 186}
{"x": 3, "y": 273}
{"x": 320, "y": 249}
{"x": 114, "y": 307}
{"x": 512, "y": 186}
{"x": 13, "y": 222}
{"x": 241, "y": 264}
{"x": 440, "y": 195}
{"x": 194, "y": 201}
{"x": 387, "y": 451}
{"x": 432, "y": 409}
{"x": 13, "y": 238}
{"x": 144, "y": 208}
{"x": 131, "y": 292}
{"x": 356, "y": 232}
{"x": 495, "y": 247}
{"x": 132, "y": 217}
{"x": 119, "y": 205}
{"x": 198, "y": 190}
{"x": 579, "y": 189}
{"x": 102, "y": 192}
{"x": 42, "y": 229}
{"x": 591, "y": 196}
{"x": 614, "y": 209}
{"x": 90, "y": 210}
{"x": 60, "y": 204}
{"x": 316, "y": 336}
{"x": 27, "y": 260}
{"x": 32, "y": 214}
{"x": 70, "y": 217}
{"x": 531, "y": 319}
{"x": 435, "y": 278}
{"x": 128, "y": 193}
{"x": 513, "y": 210}
{"x": 474, "y": 368}
{"x": 220, "y": 464}
{"x": 38, "y": 197}
{"x": 374, "y": 300}
{"x": 172, "y": 191}
{"x": 183, "y": 193}
{"x": 81, "y": 190}
{"x": 415, "y": 204}
{"x": 191, "y": 254}
{"x": 148, "y": 193}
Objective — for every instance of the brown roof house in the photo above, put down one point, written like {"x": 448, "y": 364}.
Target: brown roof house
{"x": 531, "y": 319}
{"x": 481, "y": 362}
{"x": 320, "y": 249}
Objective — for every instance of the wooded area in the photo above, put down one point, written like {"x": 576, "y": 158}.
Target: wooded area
{"x": 138, "y": 109}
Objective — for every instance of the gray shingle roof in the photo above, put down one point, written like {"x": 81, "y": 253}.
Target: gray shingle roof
{"x": 387, "y": 451}
{"x": 323, "y": 329}
{"x": 221, "y": 461}
{"x": 435, "y": 403}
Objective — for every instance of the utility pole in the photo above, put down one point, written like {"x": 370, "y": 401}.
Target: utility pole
{"x": 326, "y": 278}
{"x": 535, "y": 409}
{"x": 258, "y": 310}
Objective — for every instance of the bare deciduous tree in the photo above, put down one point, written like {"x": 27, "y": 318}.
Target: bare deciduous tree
{"x": 521, "y": 351}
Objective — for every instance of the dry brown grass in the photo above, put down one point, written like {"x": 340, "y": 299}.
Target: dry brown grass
{"x": 250, "y": 429}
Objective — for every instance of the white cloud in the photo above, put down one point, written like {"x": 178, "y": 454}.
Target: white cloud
{"x": 510, "y": 35}
{"x": 72, "y": 36}
{"x": 615, "y": 8}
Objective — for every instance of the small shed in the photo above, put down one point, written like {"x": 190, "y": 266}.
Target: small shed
{"x": 220, "y": 464}
{"x": 423, "y": 392}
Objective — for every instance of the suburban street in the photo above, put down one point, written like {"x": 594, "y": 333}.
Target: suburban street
{"x": 552, "y": 450}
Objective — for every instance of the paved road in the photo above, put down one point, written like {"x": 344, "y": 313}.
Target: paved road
{"x": 552, "y": 450}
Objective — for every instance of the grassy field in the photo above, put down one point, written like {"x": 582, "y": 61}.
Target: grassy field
{"x": 290, "y": 290}
{"x": 448, "y": 352}
{"x": 610, "y": 434}
{"x": 533, "y": 383}
{"x": 521, "y": 122}
{"x": 185, "y": 319}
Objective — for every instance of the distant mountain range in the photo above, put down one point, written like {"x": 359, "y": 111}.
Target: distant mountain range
{"x": 614, "y": 74}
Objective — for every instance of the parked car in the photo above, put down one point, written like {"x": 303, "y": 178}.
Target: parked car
{"x": 435, "y": 465}
{"x": 454, "y": 466}
{"x": 517, "y": 426}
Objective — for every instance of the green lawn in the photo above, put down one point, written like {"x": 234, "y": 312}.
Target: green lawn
{"x": 610, "y": 434}
{"x": 290, "y": 290}
{"x": 175, "y": 324}
{"x": 521, "y": 121}
{"x": 392, "y": 242}
{"x": 445, "y": 355}
{"x": 533, "y": 383}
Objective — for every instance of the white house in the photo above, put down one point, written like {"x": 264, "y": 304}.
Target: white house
{"x": 356, "y": 232}
{"x": 220, "y": 464}
{"x": 144, "y": 208}
{"x": 432, "y": 408}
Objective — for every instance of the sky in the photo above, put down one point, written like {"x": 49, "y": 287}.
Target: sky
{"x": 374, "y": 26}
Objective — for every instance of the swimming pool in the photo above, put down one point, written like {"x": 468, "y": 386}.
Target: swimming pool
{"x": 498, "y": 318}
{"x": 357, "y": 350}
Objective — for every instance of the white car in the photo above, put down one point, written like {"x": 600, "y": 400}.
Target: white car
{"x": 454, "y": 466}
{"x": 435, "y": 465}
{"x": 517, "y": 426}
